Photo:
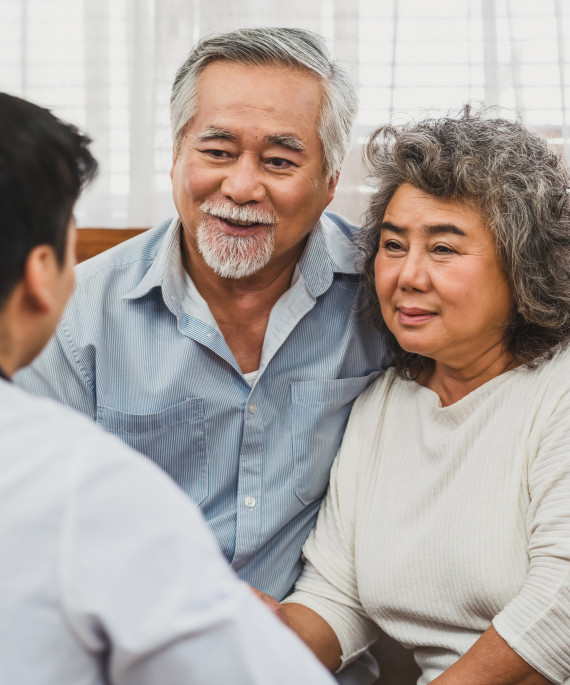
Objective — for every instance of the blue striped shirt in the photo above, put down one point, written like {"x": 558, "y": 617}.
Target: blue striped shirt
{"x": 139, "y": 351}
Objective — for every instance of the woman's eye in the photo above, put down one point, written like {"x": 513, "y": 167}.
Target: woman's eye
{"x": 392, "y": 246}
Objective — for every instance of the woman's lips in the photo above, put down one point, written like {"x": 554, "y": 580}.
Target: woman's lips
{"x": 414, "y": 316}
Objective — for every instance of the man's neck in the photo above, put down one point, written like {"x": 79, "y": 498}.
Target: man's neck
{"x": 241, "y": 307}
{"x": 7, "y": 363}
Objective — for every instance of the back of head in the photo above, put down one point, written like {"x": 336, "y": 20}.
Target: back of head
{"x": 288, "y": 47}
{"x": 518, "y": 185}
{"x": 44, "y": 163}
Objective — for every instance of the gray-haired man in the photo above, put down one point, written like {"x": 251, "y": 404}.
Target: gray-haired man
{"x": 224, "y": 344}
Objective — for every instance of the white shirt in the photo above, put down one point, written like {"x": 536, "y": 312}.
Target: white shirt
{"x": 108, "y": 573}
{"x": 442, "y": 520}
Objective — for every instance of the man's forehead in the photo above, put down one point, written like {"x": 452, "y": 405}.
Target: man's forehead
{"x": 225, "y": 81}
{"x": 266, "y": 68}
{"x": 261, "y": 105}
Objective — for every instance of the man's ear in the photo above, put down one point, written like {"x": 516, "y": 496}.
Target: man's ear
{"x": 39, "y": 279}
{"x": 174, "y": 158}
{"x": 333, "y": 181}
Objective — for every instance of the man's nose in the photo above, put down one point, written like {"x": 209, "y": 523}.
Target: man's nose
{"x": 414, "y": 271}
{"x": 242, "y": 182}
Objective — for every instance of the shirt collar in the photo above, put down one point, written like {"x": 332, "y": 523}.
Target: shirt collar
{"x": 4, "y": 376}
{"x": 329, "y": 250}
{"x": 166, "y": 272}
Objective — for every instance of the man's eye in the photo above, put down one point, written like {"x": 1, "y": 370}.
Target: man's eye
{"x": 279, "y": 163}
{"x": 218, "y": 154}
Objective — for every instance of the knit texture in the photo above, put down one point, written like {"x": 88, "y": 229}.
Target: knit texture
{"x": 441, "y": 520}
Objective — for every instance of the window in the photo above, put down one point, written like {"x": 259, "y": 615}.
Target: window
{"x": 107, "y": 66}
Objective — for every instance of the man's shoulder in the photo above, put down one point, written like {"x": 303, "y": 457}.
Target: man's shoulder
{"x": 339, "y": 239}
{"x": 136, "y": 254}
{"x": 335, "y": 223}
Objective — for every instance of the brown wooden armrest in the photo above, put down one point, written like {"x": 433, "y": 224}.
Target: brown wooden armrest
{"x": 92, "y": 241}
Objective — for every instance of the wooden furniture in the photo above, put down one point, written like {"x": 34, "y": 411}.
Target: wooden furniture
{"x": 91, "y": 241}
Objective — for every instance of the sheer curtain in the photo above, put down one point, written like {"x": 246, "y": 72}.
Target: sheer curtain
{"x": 107, "y": 65}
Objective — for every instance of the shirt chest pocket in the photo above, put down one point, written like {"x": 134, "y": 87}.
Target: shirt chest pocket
{"x": 173, "y": 438}
{"x": 319, "y": 413}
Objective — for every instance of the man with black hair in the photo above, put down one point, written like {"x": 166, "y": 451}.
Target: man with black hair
{"x": 107, "y": 572}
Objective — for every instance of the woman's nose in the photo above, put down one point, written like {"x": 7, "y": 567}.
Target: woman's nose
{"x": 413, "y": 272}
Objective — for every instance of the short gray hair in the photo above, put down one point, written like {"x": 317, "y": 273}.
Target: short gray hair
{"x": 520, "y": 188}
{"x": 293, "y": 48}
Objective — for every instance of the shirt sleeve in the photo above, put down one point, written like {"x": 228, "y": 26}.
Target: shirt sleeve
{"x": 536, "y": 622}
{"x": 329, "y": 584}
{"x": 145, "y": 586}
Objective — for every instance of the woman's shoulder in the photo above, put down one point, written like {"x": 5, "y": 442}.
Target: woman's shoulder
{"x": 540, "y": 392}
{"x": 370, "y": 407}
{"x": 389, "y": 383}
{"x": 553, "y": 371}
{"x": 561, "y": 358}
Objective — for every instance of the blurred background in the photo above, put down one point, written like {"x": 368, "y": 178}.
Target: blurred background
{"x": 107, "y": 66}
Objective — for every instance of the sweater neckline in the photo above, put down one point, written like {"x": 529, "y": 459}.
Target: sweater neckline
{"x": 484, "y": 389}
{"x": 465, "y": 408}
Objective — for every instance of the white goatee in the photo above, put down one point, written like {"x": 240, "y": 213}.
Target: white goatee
{"x": 232, "y": 256}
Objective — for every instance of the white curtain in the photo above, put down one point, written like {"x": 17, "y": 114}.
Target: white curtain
{"x": 107, "y": 65}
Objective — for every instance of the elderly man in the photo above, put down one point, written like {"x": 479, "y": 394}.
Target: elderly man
{"x": 224, "y": 344}
{"x": 107, "y": 572}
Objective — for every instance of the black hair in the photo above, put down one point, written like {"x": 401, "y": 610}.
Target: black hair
{"x": 44, "y": 164}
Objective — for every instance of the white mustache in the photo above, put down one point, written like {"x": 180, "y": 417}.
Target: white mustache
{"x": 241, "y": 213}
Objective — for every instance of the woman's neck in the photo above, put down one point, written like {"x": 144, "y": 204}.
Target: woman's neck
{"x": 453, "y": 382}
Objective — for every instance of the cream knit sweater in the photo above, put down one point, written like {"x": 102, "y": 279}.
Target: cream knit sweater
{"x": 441, "y": 520}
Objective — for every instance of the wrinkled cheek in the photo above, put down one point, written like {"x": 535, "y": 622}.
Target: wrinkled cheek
{"x": 386, "y": 309}
{"x": 386, "y": 283}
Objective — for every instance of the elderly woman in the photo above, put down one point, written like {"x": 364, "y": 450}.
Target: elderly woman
{"x": 447, "y": 521}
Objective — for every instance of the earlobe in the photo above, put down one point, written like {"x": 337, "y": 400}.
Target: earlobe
{"x": 174, "y": 158}
{"x": 333, "y": 181}
{"x": 40, "y": 271}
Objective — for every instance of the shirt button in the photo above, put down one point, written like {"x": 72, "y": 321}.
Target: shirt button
{"x": 251, "y": 407}
{"x": 249, "y": 502}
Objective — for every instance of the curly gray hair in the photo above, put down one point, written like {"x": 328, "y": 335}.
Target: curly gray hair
{"x": 520, "y": 188}
{"x": 293, "y": 48}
